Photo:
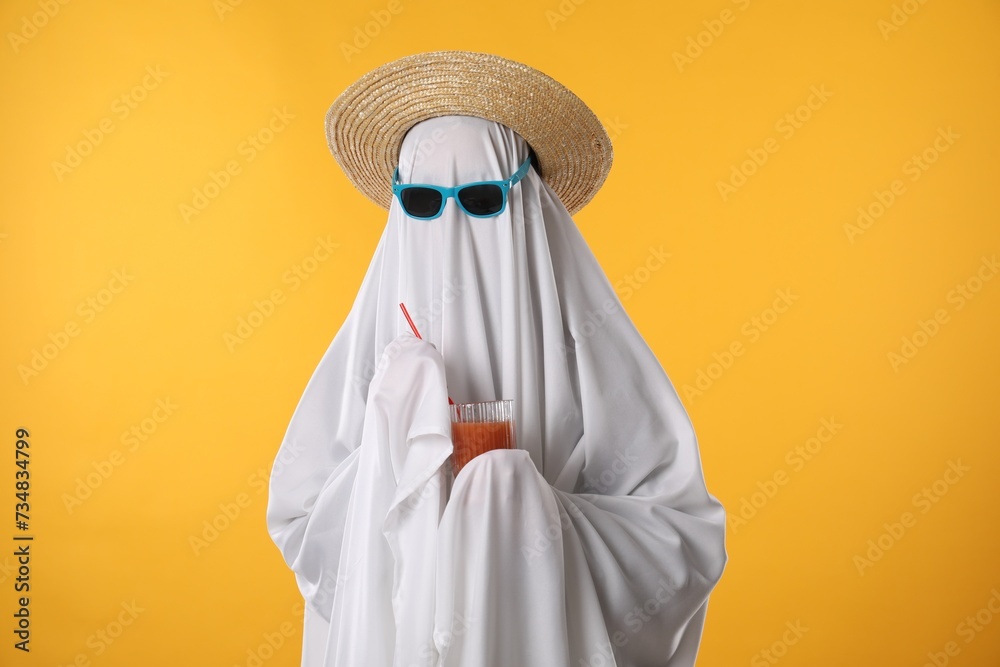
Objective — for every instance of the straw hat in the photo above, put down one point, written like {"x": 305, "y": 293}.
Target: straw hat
{"x": 366, "y": 123}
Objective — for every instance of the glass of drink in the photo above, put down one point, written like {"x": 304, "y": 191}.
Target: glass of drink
{"x": 480, "y": 427}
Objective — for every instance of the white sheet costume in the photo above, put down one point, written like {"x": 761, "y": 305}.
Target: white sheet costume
{"x": 595, "y": 543}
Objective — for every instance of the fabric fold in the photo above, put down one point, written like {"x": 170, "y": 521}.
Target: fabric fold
{"x": 384, "y": 603}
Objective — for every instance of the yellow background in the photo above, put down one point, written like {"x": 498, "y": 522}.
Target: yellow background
{"x": 678, "y": 128}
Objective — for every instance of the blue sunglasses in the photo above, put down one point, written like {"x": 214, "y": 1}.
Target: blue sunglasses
{"x": 482, "y": 199}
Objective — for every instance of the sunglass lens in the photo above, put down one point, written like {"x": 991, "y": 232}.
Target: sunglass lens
{"x": 481, "y": 199}
{"x": 421, "y": 202}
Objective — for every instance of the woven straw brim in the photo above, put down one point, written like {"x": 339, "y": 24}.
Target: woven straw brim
{"x": 366, "y": 123}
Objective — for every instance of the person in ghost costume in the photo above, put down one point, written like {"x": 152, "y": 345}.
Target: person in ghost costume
{"x": 595, "y": 542}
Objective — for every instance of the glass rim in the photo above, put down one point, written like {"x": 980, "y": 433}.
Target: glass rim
{"x": 483, "y": 412}
{"x": 499, "y": 400}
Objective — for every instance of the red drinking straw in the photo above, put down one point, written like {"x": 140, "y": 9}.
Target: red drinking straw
{"x": 417, "y": 334}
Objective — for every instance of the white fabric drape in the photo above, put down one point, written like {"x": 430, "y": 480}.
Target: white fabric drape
{"x": 594, "y": 543}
